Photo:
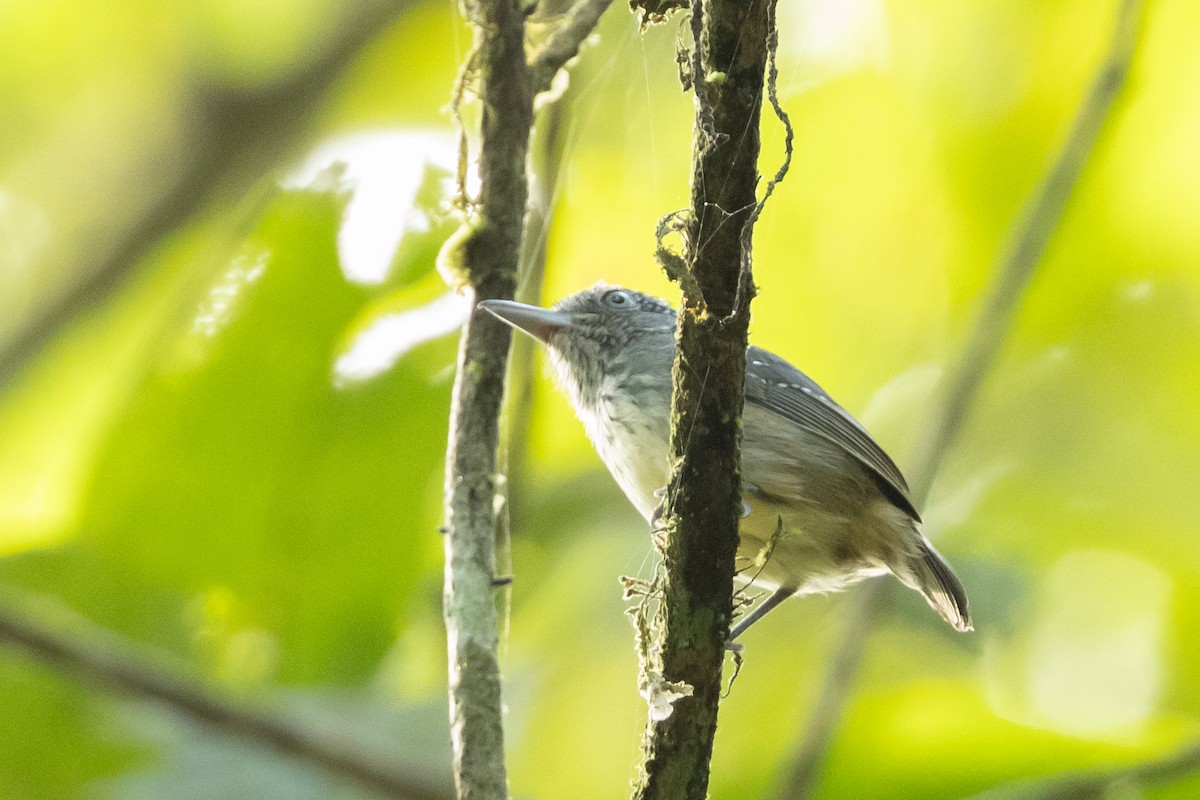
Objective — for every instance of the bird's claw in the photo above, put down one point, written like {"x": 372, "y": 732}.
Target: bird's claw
{"x": 660, "y": 510}
{"x": 658, "y": 531}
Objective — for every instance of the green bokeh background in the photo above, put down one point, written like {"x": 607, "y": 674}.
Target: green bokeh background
{"x": 185, "y": 464}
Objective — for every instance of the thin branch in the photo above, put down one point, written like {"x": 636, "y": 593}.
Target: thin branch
{"x": 550, "y": 150}
{"x": 682, "y": 671}
{"x": 1098, "y": 785}
{"x": 66, "y": 641}
{"x": 826, "y": 712}
{"x": 547, "y": 161}
{"x": 1038, "y": 222}
{"x": 485, "y": 255}
{"x": 564, "y": 43}
{"x": 233, "y": 136}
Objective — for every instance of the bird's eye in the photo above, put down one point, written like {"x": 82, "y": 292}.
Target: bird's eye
{"x": 617, "y": 299}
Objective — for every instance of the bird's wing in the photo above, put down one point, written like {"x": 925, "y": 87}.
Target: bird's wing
{"x": 776, "y": 386}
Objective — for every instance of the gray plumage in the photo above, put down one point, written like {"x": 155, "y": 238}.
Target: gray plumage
{"x": 845, "y": 507}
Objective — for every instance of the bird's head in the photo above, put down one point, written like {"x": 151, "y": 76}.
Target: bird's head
{"x": 601, "y": 332}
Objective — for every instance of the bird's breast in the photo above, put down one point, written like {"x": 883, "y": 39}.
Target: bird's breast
{"x": 629, "y": 425}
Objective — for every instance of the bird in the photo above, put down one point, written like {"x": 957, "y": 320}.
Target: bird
{"x": 824, "y": 507}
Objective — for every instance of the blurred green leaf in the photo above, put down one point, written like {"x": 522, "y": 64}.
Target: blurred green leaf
{"x": 289, "y": 509}
{"x": 189, "y": 466}
{"x": 56, "y": 738}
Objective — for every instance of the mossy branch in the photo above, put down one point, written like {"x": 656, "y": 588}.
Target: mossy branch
{"x": 702, "y": 505}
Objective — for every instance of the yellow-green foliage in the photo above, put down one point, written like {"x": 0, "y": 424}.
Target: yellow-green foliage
{"x": 183, "y": 465}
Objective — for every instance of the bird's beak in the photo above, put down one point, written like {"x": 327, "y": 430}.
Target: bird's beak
{"x": 540, "y": 323}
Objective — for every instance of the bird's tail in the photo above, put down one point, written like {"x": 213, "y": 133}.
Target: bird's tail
{"x": 941, "y": 587}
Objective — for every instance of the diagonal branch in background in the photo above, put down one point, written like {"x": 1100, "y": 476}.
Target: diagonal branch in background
{"x": 1100, "y": 785}
{"x": 233, "y": 136}
{"x": 483, "y": 257}
{"x": 1038, "y": 222}
{"x": 703, "y": 499}
{"x": 68, "y": 642}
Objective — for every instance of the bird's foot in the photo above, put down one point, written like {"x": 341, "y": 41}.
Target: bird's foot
{"x": 658, "y": 530}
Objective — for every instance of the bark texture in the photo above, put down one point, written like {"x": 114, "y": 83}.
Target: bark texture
{"x": 485, "y": 255}
{"x": 483, "y": 259}
{"x": 703, "y": 502}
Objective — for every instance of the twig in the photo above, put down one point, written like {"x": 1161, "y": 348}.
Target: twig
{"x": 789, "y": 135}
{"x": 68, "y": 642}
{"x": 550, "y": 149}
{"x": 682, "y": 673}
{"x": 234, "y": 135}
{"x": 1097, "y": 785}
{"x": 547, "y": 159}
{"x": 564, "y": 43}
{"x": 960, "y": 387}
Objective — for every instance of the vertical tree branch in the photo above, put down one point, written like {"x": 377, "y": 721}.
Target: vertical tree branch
{"x": 546, "y": 160}
{"x": 485, "y": 254}
{"x": 1037, "y": 223}
{"x": 703, "y": 501}
{"x": 549, "y": 152}
{"x": 483, "y": 257}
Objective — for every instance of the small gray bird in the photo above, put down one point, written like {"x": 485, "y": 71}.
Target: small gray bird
{"x": 845, "y": 508}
